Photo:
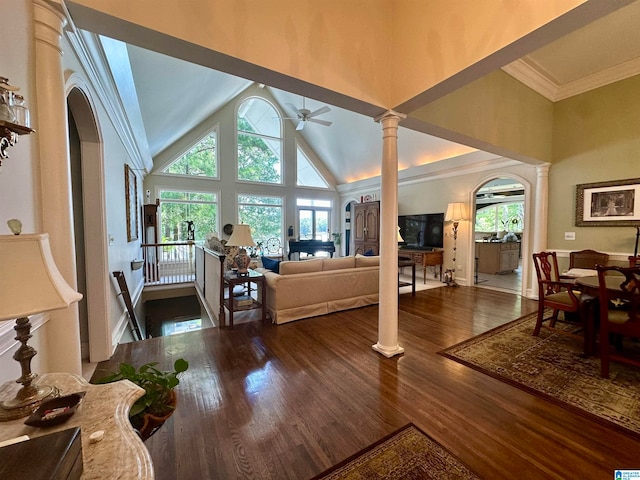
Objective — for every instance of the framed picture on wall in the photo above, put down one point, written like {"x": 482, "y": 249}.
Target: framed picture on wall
{"x": 608, "y": 204}
{"x": 131, "y": 200}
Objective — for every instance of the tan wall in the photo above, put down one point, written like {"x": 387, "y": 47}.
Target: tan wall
{"x": 376, "y": 51}
{"x": 434, "y": 40}
{"x": 596, "y": 138}
{"x": 498, "y": 114}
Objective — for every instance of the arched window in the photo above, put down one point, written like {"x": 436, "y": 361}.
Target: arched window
{"x": 259, "y": 142}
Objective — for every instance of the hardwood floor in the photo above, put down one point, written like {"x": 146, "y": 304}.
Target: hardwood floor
{"x": 287, "y": 402}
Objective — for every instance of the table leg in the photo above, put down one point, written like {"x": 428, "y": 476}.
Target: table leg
{"x": 413, "y": 279}
{"x": 588, "y": 315}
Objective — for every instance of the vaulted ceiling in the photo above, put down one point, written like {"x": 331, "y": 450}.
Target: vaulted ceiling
{"x": 602, "y": 52}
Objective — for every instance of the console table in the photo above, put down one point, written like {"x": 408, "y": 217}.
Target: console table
{"x": 426, "y": 258}
{"x": 121, "y": 453}
{"x": 310, "y": 247}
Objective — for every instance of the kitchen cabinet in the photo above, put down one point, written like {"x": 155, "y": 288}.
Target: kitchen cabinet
{"x": 497, "y": 257}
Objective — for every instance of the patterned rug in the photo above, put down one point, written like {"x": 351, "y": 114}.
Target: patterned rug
{"x": 407, "y": 454}
{"x": 553, "y": 366}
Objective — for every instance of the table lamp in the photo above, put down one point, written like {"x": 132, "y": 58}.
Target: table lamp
{"x": 456, "y": 212}
{"x": 30, "y": 283}
{"x": 241, "y": 237}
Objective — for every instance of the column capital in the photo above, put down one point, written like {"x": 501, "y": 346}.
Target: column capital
{"x": 390, "y": 114}
{"x": 543, "y": 170}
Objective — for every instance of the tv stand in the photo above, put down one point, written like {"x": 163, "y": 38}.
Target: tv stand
{"x": 425, "y": 256}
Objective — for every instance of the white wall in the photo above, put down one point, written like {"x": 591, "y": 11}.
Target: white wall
{"x": 227, "y": 186}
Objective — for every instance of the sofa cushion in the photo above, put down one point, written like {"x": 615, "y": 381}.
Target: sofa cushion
{"x": 364, "y": 261}
{"x": 338, "y": 263}
{"x": 293, "y": 267}
{"x": 271, "y": 264}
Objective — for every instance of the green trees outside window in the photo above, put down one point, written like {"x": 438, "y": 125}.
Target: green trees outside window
{"x": 176, "y": 208}
{"x": 200, "y": 161}
{"x": 259, "y": 142}
{"x": 263, "y": 214}
{"x": 507, "y": 217}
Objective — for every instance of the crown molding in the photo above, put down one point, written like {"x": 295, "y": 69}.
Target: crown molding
{"x": 528, "y": 73}
{"x": 91, "y": 56}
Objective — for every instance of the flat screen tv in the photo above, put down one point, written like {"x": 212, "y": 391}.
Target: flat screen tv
{"x": 422, "y": 231}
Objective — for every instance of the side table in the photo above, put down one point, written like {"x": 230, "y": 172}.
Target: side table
{"x": 412, "y": 264}
{"x": 121, "y": 453}
{"x": 232, "y": 279}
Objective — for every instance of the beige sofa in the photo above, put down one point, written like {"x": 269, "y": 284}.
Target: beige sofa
{"x": 316, "y": 287}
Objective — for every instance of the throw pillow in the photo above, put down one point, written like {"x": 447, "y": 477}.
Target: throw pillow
{"x": 271, "y": 264}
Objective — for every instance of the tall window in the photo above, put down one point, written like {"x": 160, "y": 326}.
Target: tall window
{"x": 200, "y": 161}
{"x": 264, "y": 216}
{"x": 307, "y": 175}
{"x": 498, "y": 217}
{"x": 177, "y": 208}
{"x": 314, "y": 219}
{"x": 259, "y": 142}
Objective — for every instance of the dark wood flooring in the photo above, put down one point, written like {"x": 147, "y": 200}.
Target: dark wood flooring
{"x": 287, "y": 402}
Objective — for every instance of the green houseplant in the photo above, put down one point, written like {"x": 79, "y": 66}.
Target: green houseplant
{"x": 159, "y": 401}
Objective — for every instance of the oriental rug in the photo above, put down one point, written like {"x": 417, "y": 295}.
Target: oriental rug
{"x": 554, "y": 367}
{"x": 407, "y": 454}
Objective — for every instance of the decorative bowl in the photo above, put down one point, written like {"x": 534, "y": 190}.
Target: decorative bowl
{"x": 55, "y": 411}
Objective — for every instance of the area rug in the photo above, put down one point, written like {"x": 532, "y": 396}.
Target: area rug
{"x": 407, "y": 454}
{"x": 553, "y": 366}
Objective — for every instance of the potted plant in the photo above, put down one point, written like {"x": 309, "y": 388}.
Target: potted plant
{"x": 159, "y": 401}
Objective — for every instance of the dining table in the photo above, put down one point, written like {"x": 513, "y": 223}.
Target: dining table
{"x": 590, "y": 306}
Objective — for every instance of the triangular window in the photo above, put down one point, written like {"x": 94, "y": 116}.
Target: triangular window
{"x": 200, "y": 161}
{"x": 308, "y": 176}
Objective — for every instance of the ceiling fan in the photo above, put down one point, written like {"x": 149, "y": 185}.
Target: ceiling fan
{"x": 304, "y": 115}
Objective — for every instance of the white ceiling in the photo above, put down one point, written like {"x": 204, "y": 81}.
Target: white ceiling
{"x": 168, "y": 89}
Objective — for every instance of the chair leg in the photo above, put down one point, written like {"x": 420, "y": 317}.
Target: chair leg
{"x": 553, "y": 318}
{"x": 536, "y": 330}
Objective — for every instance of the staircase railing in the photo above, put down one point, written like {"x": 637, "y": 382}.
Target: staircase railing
{"x": 168, "y": 263}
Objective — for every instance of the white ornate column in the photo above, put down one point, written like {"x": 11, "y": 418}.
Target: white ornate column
{"x": 541, "y": 213}
{"x": 388, "y": 304}
{"x": 63, "y": 336}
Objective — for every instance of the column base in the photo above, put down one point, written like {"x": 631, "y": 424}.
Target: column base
{"x": 387, "y": 351}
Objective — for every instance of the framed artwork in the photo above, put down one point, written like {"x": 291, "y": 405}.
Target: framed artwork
{"x": 131, "y": 198}
{"x": 608, "y": 204}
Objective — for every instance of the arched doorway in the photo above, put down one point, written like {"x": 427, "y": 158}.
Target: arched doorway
{"x": 499, "y": 224}
{"x": 88, "y": 196}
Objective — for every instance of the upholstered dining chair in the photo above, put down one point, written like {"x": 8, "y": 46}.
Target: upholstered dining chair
{"x": 557, "y": 295}
{"x": 619, "y": 313}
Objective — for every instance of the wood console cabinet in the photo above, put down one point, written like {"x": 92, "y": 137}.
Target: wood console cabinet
{"x": 366, "y": 227}
{"x": 424, "y": 258}
{"x": 497, "y": 257}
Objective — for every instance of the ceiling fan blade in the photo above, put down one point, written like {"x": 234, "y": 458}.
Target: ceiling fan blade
{"x": 293, "y": 108}
{"x": 320, "y": 111}
{"x": 300, "y": 125}
{"x": 321, "y": 122}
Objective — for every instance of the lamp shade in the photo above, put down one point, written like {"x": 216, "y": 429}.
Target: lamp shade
{"x": 400, "y": 239}
{"x": 456, "y": 212}
{"x": 30, "y": 282}
{"x": 241, "y": 237}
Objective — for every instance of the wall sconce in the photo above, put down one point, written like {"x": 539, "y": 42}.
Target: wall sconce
{"x": 14, "y": 117}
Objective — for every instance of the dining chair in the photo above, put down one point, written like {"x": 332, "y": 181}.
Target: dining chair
{"x": 587, "y": 259}
{"x": 634, "y": 260}
{"x": 619, "y": 313}
{"x": 557, "y": 295}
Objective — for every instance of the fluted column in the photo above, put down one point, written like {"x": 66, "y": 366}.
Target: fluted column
{"x": 388, "y": 304}
{"x": 55, "y": 178}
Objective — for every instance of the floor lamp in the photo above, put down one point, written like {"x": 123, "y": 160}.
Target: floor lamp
{"x": 456, "y": 212}
{"x": 30, "y": 283}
